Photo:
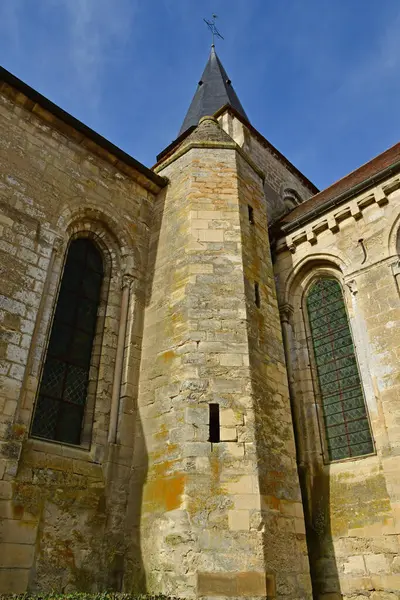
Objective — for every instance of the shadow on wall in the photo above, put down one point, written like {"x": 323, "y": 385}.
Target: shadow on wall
{"x": 134, "y": 579}
{"x": 290, "y": 552}
{"x": 315, "y": 489}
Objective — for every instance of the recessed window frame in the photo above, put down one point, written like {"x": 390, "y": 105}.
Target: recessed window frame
{"x": 86, "y": 438}
{"x": 327, "y": 274}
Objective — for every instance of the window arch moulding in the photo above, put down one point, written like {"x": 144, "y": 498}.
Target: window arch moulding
{"x": 93, "y": 430}
{"x": 344, "y": 421}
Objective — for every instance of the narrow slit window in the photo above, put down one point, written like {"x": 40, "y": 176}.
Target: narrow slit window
{"x": 61, "y": 399}
{"x": 346, "y": 424}
{"x": 257, "y": 298}
{"x": 251, "y": 214}
{"x": 214, "y": 423}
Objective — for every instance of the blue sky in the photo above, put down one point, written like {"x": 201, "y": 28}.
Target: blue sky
{"x": 320, "y": 79}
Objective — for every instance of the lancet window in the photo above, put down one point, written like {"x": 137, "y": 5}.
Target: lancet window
{"x": 345, "y": 420}
{"x": 61, "y": 400}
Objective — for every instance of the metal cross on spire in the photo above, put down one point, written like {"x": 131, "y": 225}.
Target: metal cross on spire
{"x": 213, "y": 29}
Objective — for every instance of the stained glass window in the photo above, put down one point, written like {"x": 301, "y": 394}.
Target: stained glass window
{"x": 62, "y": 393}
{"x": 345, "y": 419}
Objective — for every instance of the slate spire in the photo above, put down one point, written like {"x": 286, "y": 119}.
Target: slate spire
{"x": 213, "y": 92}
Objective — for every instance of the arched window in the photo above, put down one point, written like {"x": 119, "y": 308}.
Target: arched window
{"x": 291, "y": 199}
{"x": 61, "y": 399}
{"x": 346, "y": 423}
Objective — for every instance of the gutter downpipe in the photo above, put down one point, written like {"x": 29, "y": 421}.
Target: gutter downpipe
{"x": 119, "y": 360}
{"x": 343, "y": 196}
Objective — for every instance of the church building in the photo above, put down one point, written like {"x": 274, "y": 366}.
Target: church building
{"x": 200, "y": 362}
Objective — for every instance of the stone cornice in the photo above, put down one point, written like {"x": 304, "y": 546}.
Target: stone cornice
{"x": 210, "y": 145}
{"x": 353, "y": 209}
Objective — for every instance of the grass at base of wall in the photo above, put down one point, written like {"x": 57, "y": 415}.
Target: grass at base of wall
{"x": 84, "y": 596}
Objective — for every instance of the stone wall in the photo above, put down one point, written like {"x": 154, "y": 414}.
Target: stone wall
{"x": 351, "y": 506}
{"x": 62, "y": 507}
{"x": 218, "y": 519}
{"x": 279, "y": 177}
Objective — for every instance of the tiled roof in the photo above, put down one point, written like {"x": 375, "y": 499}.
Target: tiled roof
{"x": 356, "y": 178}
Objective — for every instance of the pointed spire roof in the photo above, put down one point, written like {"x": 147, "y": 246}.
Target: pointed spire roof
{"x": 213, "y": 92}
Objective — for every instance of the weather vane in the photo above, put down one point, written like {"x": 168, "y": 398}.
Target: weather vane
{"x": 213, "y": 29}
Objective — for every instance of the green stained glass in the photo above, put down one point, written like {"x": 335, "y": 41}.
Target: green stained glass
{"x": 346, "y": 423}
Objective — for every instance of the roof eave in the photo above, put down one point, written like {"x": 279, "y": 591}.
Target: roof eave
{"x": 97, "y": 143}
{"x": 321, "y": 209}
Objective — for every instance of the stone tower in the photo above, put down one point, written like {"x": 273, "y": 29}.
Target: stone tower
{"x": 221, "y": 513}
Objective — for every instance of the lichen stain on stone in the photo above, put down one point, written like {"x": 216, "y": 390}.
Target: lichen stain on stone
{"x": 357, "y": 504}
{"x": 163, "y": 491}
{"x": 163, "y": 433}
{"x": 168, "y": 356}
{"x": 164, "y": 494}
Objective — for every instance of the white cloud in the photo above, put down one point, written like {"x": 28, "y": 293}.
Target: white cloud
{"x": 93, "y": 29}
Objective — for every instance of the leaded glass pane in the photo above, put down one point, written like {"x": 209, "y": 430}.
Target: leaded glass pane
{"x": 345, "y": 419}
{"x": 63, "y": 389}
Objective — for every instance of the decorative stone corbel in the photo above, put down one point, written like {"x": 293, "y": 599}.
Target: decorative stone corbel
{"x": 380, "y": 197}
{"x": 355, "y": 211}
{"x": 332, "y": 224}
{"x": 396, "y": 268}
{"x": 290, "y": 244}
{"x": 352, "y": 285}
{"x": 311, "y": 237}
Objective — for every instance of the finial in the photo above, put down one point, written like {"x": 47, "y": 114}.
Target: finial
{"x": 213, "y": 29}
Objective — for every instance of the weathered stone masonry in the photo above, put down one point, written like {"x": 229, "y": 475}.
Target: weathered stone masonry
{"x": 63, "y": 508}
{"x": 194, "y": 311}
{"x": 217, "y": 517}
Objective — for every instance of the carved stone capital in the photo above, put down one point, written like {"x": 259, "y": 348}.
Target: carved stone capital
{"x": 58, "y": 243}
{"x": 286, "y": 312}
{"x": 128, "y": 281}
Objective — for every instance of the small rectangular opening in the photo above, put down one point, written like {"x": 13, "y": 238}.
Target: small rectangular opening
{"x": 214, "y": 423}
{"x": 251, "y": 214}
{"x": 257, "y": 294}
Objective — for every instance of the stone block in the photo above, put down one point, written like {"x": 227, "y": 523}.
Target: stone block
{"x": 377, "y": 563}
{"x": 230, "y": 418}
{"x": 5, "y": 490}
{"x": 235, "y": 584}
{"x": 253, "y": 584}
{"x": 239, "y": 520}
{"x": 355, "y": 565}
{"x": 228, "y": 434}
{"x": 246, "y": 484}
{"x": 17, "y": 531}
{"x": 210, "y": 235}
{"x": 230, "y": 360}
{"x": 216, "y": 584}
{"x": 14, "y": 581}
{"x": 18, "y": 556}
{"x": 247, "y": 501}
{"x": 233, "y": 448}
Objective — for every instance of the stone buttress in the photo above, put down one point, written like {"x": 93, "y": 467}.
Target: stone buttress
{"x": 217, "y": 518}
